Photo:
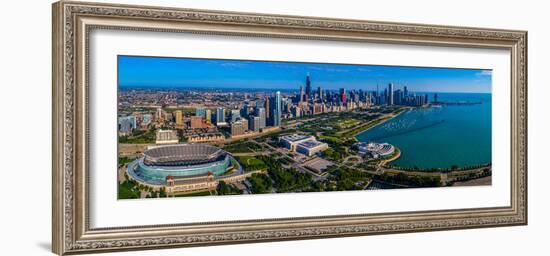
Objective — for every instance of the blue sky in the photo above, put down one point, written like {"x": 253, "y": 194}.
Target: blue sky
{"x": 210, "y": 73}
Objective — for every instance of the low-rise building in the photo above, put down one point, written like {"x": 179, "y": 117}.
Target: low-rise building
{"x": 201, "y": 182}
{"x": 291, "y": 141}
{"x": 208, "y": 137}
{"x": 374, "y": 150}
{"x": 197, "y": 122}
{"x": 311, "y": 147}
{"x": 190, "y": 183}
{"x": 126, "y": 125}
{"x": 167, "y": 137}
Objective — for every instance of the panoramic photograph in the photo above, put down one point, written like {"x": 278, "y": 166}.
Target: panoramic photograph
{"x": 210, "y": 127}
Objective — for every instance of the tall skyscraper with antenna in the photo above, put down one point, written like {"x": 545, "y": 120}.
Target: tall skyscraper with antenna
{"x": 308, "y": 86}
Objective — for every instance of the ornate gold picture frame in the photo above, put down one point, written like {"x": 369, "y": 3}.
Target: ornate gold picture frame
{"x": 72, "y": 23}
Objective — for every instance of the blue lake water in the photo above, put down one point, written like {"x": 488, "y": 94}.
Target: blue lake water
{"x": 440, "y": 137}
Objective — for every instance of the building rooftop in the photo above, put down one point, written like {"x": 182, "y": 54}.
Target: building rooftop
{"x": 311, "y": 144}
{"x": 295, "y": 137}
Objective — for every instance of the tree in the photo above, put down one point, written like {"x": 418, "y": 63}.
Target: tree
{"x": 223, "y": 188}
{"x": 227, "y": 189}
{"x": 345, "y": 184}
{"x": 260, "y": 183}
{"x": 162, "y": 192}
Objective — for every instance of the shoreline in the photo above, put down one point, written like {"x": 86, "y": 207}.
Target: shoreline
{"x": 391, "y": 159}
{"x": 439, "y": 169}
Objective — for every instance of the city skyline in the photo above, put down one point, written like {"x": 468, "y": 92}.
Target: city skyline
{"x": 161, "y": 72}
{"x": 319, "y": 136}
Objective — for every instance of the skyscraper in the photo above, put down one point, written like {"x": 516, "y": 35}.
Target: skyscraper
{"x": 308, "y": 86}
{"x": 398, "y": 97}
{"x": 296, "y": 111}
{"x": 208, "y": 115}
{"x": 245, "y": 111}
{"x": 254, "y": 123}
{"x": 235, "y": 113}
{"x": 355, "y": 96}
{"x": 220, "y": 116}
{"x": 419, "y": 100}
{"x": 276, "y": 110}
{"x": 320, "y": 93}
{"x": 302, "y": 94}
{"x": 390, "y": 94}
{"x": 179, "y": 118}
{"x": 343, "y": 96}
{"x": 405, "y": 91}
{"x": 260, "y": 112}
{"x": 267, "y": 106}
{"x": 239, "y": 127}
{"x": 200, "y": 112}
{"x": 159, "y": 114}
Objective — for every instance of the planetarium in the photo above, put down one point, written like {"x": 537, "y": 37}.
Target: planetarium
{"x": 182, "y": 160}
{"x": 375, "y": 150}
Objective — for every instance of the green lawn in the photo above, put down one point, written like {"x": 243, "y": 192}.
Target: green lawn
{"x": 243, "y": 147}
{"x": 139, "y": 137}
{"x": 128, "y": 190}
{"x": 251, "y": 163}
{"x": 123, "y": 160}
{"x": 331, "y": 139}
{"x": 261, "y": 183}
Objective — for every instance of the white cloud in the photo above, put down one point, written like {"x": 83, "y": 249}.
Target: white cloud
{"x": 485, "y": 73}
{"x": 234, "y": 64}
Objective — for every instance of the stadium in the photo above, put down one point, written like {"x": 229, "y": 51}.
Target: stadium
{"x": 182, "y": 160}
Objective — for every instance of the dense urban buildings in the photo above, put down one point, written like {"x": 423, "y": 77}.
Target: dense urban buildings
{"x": 262, "y": 110}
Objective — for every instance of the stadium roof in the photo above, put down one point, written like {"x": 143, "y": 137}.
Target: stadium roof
{"x": 182, "y": 154}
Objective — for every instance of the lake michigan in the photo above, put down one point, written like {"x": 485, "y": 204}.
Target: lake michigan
{"x": 440, "y": 137}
